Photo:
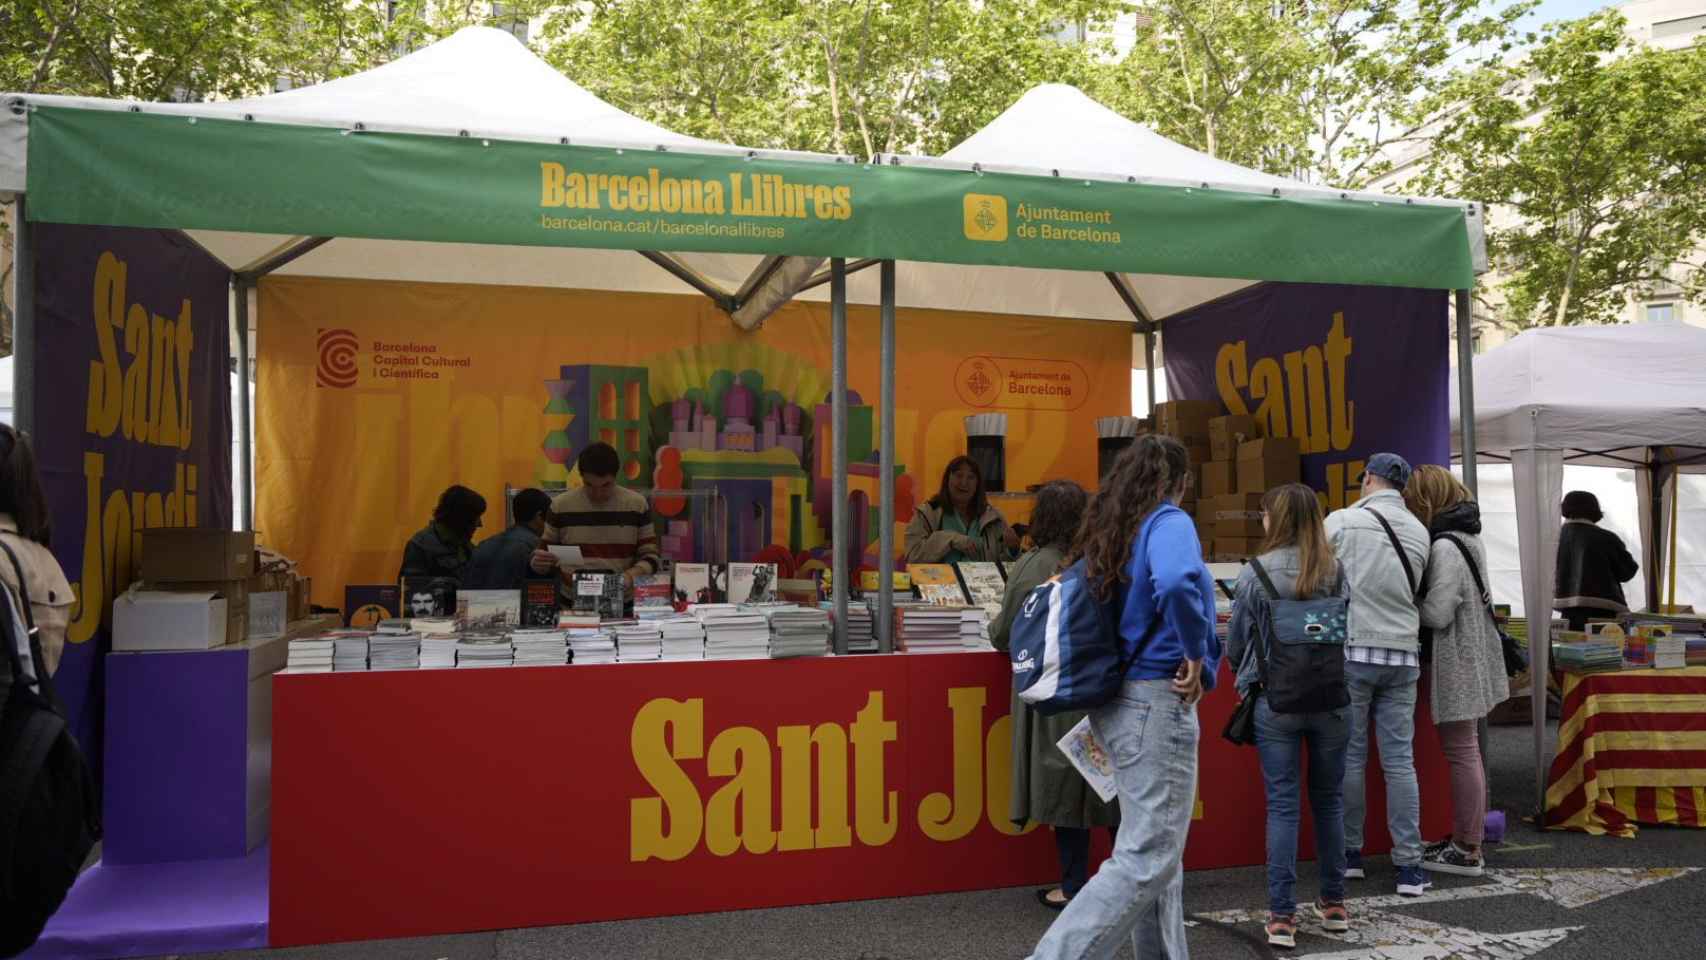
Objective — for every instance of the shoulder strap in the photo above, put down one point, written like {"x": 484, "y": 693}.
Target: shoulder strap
{"x": 32, "y": 639}
{"x": 1475, "y": 572}
{"x": 1262, "y": 575}
{"x": 1403, "y": 558}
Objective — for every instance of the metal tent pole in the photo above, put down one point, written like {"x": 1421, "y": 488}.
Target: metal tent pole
{"x": 1149, "y": 366}
{"x": 24, "y": 324}
{"x": 885, "y": 512}
{"x": 838, "y": 444}
{"x": 245, "y": 429}
{"x": 1466, "y": 387}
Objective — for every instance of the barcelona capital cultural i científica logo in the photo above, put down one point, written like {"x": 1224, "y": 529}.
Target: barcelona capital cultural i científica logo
{"x": 338, "y": 349}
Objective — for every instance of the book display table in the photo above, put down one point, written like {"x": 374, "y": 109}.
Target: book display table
{"x": 438, "y": 801}
{"x": 1631, "y": 749}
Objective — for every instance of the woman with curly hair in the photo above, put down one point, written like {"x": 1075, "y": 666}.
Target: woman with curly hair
{"x": 1046, "y": 787}
{"x": 1140, "y": 552}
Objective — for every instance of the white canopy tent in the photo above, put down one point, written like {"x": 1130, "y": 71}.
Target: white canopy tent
{"x": 484, "y": 85}
{"x": 1624, "y": 396}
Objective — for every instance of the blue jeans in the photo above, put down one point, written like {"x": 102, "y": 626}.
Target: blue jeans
{"x": 1388, "y": 696}
{"x": 1152, "y": 737}
{"x": 1279, "y": 739}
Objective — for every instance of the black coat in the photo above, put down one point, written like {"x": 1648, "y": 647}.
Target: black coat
{"x": 1593, "y": 565}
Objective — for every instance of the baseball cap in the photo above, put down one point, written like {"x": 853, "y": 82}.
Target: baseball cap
{"x": 1389, "y": 467}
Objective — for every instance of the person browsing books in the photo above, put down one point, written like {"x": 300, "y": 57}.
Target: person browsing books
{"x": 442, "y": 547}
{"x": 503, "y": 561}
{"x": 1593, "y": 564}
{"x": 959, "y": 523}
{"x": 1046, "y": 787}
{"x": 611, "y": 525}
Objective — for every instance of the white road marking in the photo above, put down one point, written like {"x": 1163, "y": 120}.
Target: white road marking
{"x": 1380, "y": 934}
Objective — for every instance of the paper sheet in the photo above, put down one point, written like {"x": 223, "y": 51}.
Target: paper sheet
{"x": 567, "y": 556}
{"x": 1091, "y": 758}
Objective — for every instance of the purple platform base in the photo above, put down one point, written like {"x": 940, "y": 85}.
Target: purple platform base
{"x": 160, "y": 909}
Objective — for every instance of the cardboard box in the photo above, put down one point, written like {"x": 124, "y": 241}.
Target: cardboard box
{"x": 235, "y": 593}
{"x": 1219, "y": 478}
{"x": 1235, "y": 549}
{"x": 192, "y": 554}
{"x": 160, "y": 620}
{"x": 1270, "y": 448}
{"x": 1240, "y": 528}
{"x": 1192, "y": 415}
{"x": 1237, "y": 505}
{"x": 1197, "y": 452}
{"x": 1226, "y": 433}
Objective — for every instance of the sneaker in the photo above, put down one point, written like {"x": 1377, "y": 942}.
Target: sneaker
{"x": 1282, "y": 930}
{"x": 1412, "y": 882}
{"x": 1353, "y": 865}
{"x": 1436, "y": 848}
{"x": 1453, "y": 859}
{"x": 1333, "y": 915}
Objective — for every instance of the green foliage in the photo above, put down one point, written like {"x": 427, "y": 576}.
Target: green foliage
{"x": 1591, "y": 148}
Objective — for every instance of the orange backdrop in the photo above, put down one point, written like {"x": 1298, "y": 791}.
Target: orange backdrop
{"x": 374, "y": 396}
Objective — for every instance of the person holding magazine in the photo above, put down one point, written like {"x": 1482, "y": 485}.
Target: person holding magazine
{"x": 1141, "y": 558}
{"x": 1469, "y": 677}
{"x": 1302, "y": 700}
{"x": 1046, "y": 787}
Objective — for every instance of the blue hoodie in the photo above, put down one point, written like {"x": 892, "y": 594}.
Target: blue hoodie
{"x": 1168, "y": 614}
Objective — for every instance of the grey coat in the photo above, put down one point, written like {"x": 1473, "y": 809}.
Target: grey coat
{"x": 1046, "y": 787}
{"x": 1468, "y": 664}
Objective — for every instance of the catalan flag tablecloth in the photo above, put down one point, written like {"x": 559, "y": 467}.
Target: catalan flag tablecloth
{"x": 1631, "y": 749}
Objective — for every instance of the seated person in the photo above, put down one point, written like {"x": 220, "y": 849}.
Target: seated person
{"x": 442, "y": 549}
{"x": 504, "y": 560}
{"x": 611, "y": 525}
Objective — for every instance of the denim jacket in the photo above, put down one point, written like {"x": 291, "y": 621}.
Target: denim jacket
{"x": 1383, "y": 603}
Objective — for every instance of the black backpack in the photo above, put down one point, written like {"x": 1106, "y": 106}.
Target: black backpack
{"x": 49, "y": 810}
{"x": 1303, "y": 665}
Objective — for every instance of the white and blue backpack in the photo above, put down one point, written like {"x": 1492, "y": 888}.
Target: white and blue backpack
{"x": 1065, "y": 646}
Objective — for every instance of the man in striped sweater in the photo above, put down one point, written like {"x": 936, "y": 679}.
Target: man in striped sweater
{"x": 611, "y": 525}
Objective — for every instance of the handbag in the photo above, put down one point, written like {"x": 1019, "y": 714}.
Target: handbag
{"x": 1241, "y": 726}
{"x": 1516, "y": 658}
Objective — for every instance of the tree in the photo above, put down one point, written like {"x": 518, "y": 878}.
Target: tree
{"x": 1325, "y": 92}
{"x": 837, "y": 76}
{"x": 1590, "y": 148}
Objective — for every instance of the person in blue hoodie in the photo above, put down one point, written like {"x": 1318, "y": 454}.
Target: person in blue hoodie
{"x": 1141, "y": 551}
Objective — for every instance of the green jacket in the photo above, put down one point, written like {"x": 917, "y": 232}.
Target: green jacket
{"x": 435, "y": 552}
{"x": 1046, "y": 787}
{"x": 927, "y": 542}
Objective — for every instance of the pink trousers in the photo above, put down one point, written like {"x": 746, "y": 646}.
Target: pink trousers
{"x": 1468, "y": 781}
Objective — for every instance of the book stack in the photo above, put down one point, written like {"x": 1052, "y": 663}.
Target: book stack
{"x": 349, "y": 650}
{"x": 732, "y": 633}
{"x": 433, "y": 626}
{"x": 861, "y": 625}
{"x": 797, "y": 631}
{"x": 539, "y": 647}
{"x": 391, "y": 650}
{"x": 310, "y": 655}
{"x": 1577, "y": 653}
{"x": 974, "y": 629}
{"x": 484, "y": 650}
{"x": 654, "y": 597}
{"x": 638, "y": 642}
{"x": 1694, "y": 651}
{"x": 683, "y": 639}
{"x": 438, "y": 650}
{"x": 922, "y": 628}
{"x": 592, "y": 644}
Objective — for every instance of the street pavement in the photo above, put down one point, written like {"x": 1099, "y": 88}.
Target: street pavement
{"x": 1554, "y": 896}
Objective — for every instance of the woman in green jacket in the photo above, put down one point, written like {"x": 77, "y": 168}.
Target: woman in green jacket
{"x": 1046, "y": 787}
{"x": 958, "y": 523}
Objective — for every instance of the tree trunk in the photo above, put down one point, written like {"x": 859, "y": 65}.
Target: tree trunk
{"x": 1569, "y": 282}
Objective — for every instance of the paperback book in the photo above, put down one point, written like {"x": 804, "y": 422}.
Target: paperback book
{"x": 488, "y": 611}
{"x": 752, "y": 582}
{"x": 599, "y": 592}
{"x": 429, "y": 596}
{"x": 693, "y": 583}
{"x": 367, "y": 604}
{"x": 539, "y": 603}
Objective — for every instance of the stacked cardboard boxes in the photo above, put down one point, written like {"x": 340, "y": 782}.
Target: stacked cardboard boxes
{"x": 1243, "y": 466}
{"x": 202, "y": 566}
{"x": 1190, "y": 422}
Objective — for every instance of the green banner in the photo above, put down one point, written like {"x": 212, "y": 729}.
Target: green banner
{"x": 148, "y": 170}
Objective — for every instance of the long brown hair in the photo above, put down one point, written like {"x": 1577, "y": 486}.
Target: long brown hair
{"x": 944, "y": 500}
{"x": 1432, "y": 490}
{"x": 1294, "y": 520}
{"x": 1149, "y": 471}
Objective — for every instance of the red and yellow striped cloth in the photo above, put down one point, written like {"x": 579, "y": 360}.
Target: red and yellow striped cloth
{"x": 1631, "y": 749}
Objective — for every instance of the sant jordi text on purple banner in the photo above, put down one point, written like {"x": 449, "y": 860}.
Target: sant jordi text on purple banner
{"x": 1350, "y": 371}
{"x": 133, "y": 418}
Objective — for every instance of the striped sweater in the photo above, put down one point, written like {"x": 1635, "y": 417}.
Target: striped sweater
{"x": 616, "y": 535}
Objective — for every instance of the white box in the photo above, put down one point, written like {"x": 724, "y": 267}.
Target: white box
{"x": 150, "y": 620}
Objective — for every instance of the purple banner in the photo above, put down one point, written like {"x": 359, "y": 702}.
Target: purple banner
{"x": 1350, "y": 371}
{"x": 133, "y": 418}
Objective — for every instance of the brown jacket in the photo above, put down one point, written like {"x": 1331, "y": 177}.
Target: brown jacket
{"x": 50, "y": 592}
{"x": 927, "y": 542}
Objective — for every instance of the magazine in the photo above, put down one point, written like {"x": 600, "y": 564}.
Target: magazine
{"x": 1090, "y": 757}
{"x": 752, "y": 582}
